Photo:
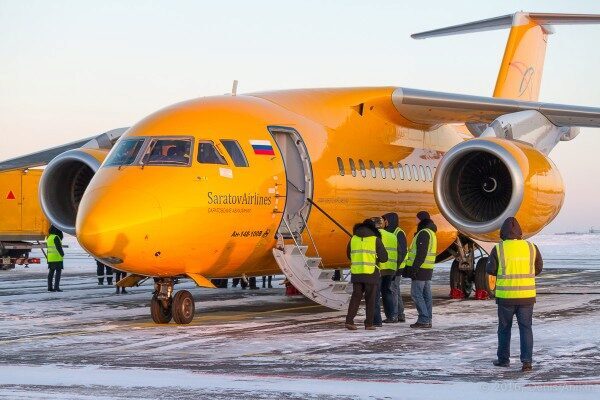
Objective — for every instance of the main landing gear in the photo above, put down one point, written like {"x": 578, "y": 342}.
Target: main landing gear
{"x": 468, "y": 272}
{"x": 164, "y": 306}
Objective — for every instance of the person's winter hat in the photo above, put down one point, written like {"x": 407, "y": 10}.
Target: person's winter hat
{"x": 423, "y": 215}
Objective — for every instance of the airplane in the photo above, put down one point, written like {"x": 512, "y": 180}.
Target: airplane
{"x": 263, "y": 183}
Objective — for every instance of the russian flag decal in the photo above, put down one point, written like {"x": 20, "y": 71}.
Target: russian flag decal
{"x": 262, "y": 147}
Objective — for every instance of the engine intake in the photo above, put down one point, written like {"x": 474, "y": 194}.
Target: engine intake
{"x": 63, "y": 183}
{"x": 481, "y": 182}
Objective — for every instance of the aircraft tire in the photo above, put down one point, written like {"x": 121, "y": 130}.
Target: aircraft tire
{"x": 183, "y": 307}
{"x": 460, "y": 280}
{"x": 484, "y": 281}
{"x": 160, "y": 315}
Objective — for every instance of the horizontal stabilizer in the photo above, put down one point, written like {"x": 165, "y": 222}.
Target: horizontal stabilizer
{"x": 507, "y": 21}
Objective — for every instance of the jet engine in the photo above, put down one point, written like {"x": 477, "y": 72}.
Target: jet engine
{"x": 63, "y": 183}
{"x": 481, "y": 182}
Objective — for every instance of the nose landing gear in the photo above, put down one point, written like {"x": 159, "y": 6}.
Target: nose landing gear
{"x": 164, "y": 306}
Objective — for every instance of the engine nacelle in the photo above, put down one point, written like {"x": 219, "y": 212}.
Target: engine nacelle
{"x": 63, "y": 183}
{"x": 481, "y": 182}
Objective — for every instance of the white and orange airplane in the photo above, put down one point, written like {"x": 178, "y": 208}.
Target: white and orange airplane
{"x": 254, "y": 184}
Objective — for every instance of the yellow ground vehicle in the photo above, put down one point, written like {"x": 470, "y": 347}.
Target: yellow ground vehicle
{"x": 23, "y": 226}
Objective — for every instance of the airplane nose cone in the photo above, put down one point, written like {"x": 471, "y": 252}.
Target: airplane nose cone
{"x": 119, "y": 226}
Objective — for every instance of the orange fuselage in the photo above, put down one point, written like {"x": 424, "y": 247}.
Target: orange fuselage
{"x": 221, "y": 220}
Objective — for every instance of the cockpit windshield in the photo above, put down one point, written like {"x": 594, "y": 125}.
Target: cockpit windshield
{"x": 168, "y": 152}
{"x": 125, "y": 153}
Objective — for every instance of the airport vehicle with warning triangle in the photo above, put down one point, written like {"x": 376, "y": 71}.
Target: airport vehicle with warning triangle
{"x": 254, "y": 184}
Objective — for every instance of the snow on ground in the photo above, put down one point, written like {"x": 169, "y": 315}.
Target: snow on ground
{"x": 88, "y": 342}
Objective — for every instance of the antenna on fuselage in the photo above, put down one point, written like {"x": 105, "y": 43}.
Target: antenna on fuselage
{"x": 234, "y": 88}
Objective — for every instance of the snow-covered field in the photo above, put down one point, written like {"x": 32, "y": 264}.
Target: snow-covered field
{"x": 88, "y": 342}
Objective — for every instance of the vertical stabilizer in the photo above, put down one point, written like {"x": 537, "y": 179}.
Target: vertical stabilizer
{"x": 520, "y": 73}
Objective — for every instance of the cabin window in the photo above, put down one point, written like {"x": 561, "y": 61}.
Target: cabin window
{"x": 341, "y": 166}
{"x": 428, "y": 173}
{"x": 235, "y": 152}
{"x": 208, "y": 153}
{"x": 382, "y": 169}
{"x": 407, "y": 171}
{"x": 125, "y": 152}
{"x": 415, "y": 172}
{"x": 363, "y": 170}
{"x": 400, "y": 171}
{"x": 372, "y": 168}
{"x": 352, "y": 167}
{"x": 392, "y": 171}
{"x": 168, "y": 152}
{"x": 422, "y": 173}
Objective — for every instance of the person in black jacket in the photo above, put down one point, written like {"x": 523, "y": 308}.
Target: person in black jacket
{"x": 515, "y": 299}
{"x": 420, "y": 288}
{"x": 365, "y": 284}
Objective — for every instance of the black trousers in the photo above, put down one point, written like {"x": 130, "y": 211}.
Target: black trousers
{"x": 119, "y": 275}
{"x": 100, "y": 272}
{"x": 360, "y": 289}
{"x": 54, "y": 272}
{"x": 270, "y": 277}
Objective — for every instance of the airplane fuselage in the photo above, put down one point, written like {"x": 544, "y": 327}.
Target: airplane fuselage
{"x": 220, "y": 220}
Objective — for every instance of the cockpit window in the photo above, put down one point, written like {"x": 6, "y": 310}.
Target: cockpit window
{"x": 235, "y": 152}
{"x": 125, "y": 152}
{"x": 208, "y": 153}
{"x": 168, "y": 152}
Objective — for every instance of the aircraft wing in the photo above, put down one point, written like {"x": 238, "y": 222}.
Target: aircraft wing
{"x": 102, "y": 141}
{"x": 429, "y": 108}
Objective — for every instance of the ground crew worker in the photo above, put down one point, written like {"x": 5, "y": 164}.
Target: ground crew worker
{"x": 391, "y": 225}
{"x": 419, "y": 267}
{"x": 365, "y": 250}
{"x": 387, "y": 271}
{"x": 515, "y": 263}
{"x": 103, "y": 270}
{"x": 55, "y": 254}
{"x": 118, "y": 276}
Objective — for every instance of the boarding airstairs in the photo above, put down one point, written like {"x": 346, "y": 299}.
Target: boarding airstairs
{"x": 307, "y": 273}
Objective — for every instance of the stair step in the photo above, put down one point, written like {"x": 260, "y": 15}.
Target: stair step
{"x": 297, "y": 250}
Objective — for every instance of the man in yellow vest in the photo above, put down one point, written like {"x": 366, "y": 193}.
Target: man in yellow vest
{"x": 365, "y": 251}
{"x": 392, "y": 226}
{"x": 55, "y": 256}
{"x": 515, "y": 263}
{"x": 419, "y": 267}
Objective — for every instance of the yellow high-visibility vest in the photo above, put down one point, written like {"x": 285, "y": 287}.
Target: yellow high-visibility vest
{"x": 390, "y": 241}
{"x": 429, "y": 262}
{"x": 396, "y": 231}
{"x": 363, "y": 254}
{"x": 53, "y": 254}
{"x": 516, "y": 269}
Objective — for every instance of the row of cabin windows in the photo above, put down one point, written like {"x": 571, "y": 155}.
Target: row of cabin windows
{"x": 406, "y": 171}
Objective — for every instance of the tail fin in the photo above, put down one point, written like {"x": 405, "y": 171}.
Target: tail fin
{"x": 520, "y": 73}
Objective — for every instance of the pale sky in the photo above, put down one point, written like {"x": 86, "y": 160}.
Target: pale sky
{"x": 72, "y": 69}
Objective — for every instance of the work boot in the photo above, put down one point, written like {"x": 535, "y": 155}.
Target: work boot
{"x": 498, "y": 363}
{"x": 351, "y": 327}
{"x": 527, "y": 367}
{"x": 123, "y": 291}
{"x": 401, "y": 318}
{"x": 100, "y": 281}
{"x": 50, "y": 289}
{"x": 117, "y": 290}
{"x": 270, "y": 286}
{"x": 254, "y": 288}
{"x": 390, "y": 321}
{"x": 369, "y": 328}
{"x": 420, "y": 325}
